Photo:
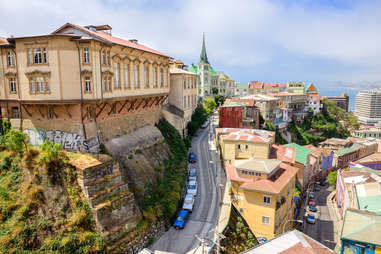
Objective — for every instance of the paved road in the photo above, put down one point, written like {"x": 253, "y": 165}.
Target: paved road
{"x": 323, "y": 230}
{"x": 205, "y": 212}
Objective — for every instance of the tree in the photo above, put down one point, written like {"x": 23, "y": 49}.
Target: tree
{"x": 209, "y": 105}
{"x": 220, "y": 99}
{"x": 15, "y": 140}
{"x": 332, "y": 178}
{"x": 214, "y": 90}
{"x": 6, "y": 126}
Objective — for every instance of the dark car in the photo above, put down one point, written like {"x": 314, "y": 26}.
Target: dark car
{"x": 181, "y": 219}
{"x": 312, "y": 208}
{"x": 317, "y": 187}
{"x": 192, "y": 158}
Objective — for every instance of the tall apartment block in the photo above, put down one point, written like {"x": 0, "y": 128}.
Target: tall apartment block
{"x": 368, "y": 107}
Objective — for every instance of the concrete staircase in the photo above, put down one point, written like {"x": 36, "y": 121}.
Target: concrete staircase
{"x": 113, "y": 205}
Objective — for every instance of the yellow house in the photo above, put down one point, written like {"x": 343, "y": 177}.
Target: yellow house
{"x": 238, "y": 144}
{"x": 262, "y": 191}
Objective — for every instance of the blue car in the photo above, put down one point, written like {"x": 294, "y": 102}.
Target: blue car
{"x": 181, "y": 219}
{"x": 311, "y": 218}
{"x": 312, "y": 208}
{"x": 192, "y": 158}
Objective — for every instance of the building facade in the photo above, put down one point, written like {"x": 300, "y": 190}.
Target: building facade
{"x": 368, "y": 107}
{"x": 72, "y": 86}
{"x": 207, "y": 77}
{"x": 226, "y": 85}
{"x": 182, "y": 98}
{"x": 341, "y": 101}
{"x": 295, "y": 87}
{"x": 241, "y": 89}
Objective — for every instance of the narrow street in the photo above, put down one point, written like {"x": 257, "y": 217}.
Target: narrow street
{"x": 205, "y": 211}
{"x": 323, "y": 230}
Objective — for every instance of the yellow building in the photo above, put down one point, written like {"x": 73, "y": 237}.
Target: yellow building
{"x": 80, "y": 86}
{"x": 236, "y": 144}
{"x": 182, "y": 99}
{"x": 262, "y": 190}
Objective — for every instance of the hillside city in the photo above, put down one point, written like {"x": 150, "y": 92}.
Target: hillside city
{"x": 110, "y": 146}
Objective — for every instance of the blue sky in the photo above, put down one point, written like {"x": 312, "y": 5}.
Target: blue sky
{"x": 335, "y": 44}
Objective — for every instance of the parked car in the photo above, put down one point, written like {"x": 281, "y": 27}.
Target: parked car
{"x": 182, "y": 218}
{"x": 188, "y": 202}
{"x": 311, "y": 194}
{"x": 312, "y": 202}
{"x": 261, "y": 240}
{"x": 323, "y": 183}
{"x": 312, "y": 208}
{"x": 317, "y": 187}
{"x": 192, "y": 176}
{"x": 311, "y": 218}
{"x": 192, "y": 188}
{"x": 192, "y": 158}
{"x": 205, "y": 124}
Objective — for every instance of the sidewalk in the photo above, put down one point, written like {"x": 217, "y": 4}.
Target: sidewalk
{"x": 336, "y": 218}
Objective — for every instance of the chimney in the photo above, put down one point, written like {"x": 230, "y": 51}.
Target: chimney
{"x": 134, "y": 41}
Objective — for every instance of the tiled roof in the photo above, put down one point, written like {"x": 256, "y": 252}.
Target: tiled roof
{"x": 283, "y": 153}
{"x": 109, "y": 38}
{"x": 273, "y": 185}
{"x": 262, "y": 133}
{"x": 247, "y": 102}
{"x": 345, "y": 151}
{"x": 368, "y": 232}
{"x": 256, "y": 84}
{"x": 291, "y": 242}
{"x": 336, "y": 141}
{"x": 301, "y": 153}
{"x": 242, "y": 136}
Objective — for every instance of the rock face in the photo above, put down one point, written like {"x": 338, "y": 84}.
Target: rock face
{"x": 139, "y": 154}
{"x": 113, "y": 205}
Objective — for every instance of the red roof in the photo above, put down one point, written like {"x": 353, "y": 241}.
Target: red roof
{"x": 3, "y": 41}
{"x": 245, "y": 136}
{"x": 255, "y": 84}
{"x": 272, "y": 185}
{"x": 109, "y": 38}
{"x": 283, "y": 153}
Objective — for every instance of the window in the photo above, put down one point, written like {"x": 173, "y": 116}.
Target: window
{"x": 47, "y": 87}
{"x": 15, "y": 112}
{"x": 161, "y": 78}
{"x": 39, "y": 85}
{"x": 89, "y": 112}
{"x": 109, "y": 84}
{"x": 87, "y": 84}
{"x": 136, "y": 73}
{"x": 45, "y": 56}
{"x": 10, "y": 59}
{"x": 105, "y": 84}
{"x": 246, "y": 147}
{"x": 31, "y": 86}
{"x": 165, "y": 78}
{"x": 108, "y": 57}
{"x": 188, "y": 83}
{"x": 40, "y": 56}
{"x": 185, "y": 101}
{"x": 265, "y": 220}
{"x": 126, "y": 76}
{"x": 12, "y": 85}
{"x": 266, "y": 200}
{"x": 146, "y": 73}
{"x": 185, "y": 83}
{"x": 258, "y": 174}
{"x": 103, "y": 53}
{"x": 86, "y": 59}
{"x": 155, "y": 77}
{"x": 116, "y": 75}
{"x": 30, "y": 56}
{"x": 189, "y": 101}
{"x": 239, "y": 146}
{"x": 37, "y": 56}
{"x": 50, "y": 112}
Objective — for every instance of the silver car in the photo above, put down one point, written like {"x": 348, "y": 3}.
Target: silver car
{"x": 192, "y": 174}
{"x": 188, "y": 202}
{"x": 192, "y": 188}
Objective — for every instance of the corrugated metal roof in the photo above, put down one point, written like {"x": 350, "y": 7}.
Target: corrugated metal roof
{"x": 301, "y": 153}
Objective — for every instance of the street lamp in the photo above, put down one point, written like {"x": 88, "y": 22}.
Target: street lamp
{"x": 284, "y": 226}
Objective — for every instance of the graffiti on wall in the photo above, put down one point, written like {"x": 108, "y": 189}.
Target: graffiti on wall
{"x": 68, "y": 141}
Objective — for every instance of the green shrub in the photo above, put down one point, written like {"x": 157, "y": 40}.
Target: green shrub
{"x": 50, "y": 152}
{"x": 16, "y": 140}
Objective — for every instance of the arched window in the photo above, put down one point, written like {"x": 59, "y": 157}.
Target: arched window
{"x": 126, "y": 76}
{"x": 161, "y": 78}
{"x": 136, "y": 76}
{"x": 155, "y": 76}
{"x": 146, "y": 77}
{"x": 116, "y": 75}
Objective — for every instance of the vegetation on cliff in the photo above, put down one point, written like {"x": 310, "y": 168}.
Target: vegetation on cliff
{"x": 41, "y": 206}
{"x": 161, "y": 198}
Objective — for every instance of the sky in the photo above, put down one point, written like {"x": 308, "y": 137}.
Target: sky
{"x": 334, "y": 44}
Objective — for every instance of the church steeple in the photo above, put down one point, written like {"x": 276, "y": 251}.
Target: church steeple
{"x": 203, "y": 56}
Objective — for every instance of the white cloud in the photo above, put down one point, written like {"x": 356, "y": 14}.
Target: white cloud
{"x": 249, "y": 39}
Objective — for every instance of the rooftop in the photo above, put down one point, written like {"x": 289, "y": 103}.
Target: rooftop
{"x": 180, "y": 71}
{"x": 262, "y": 133}
{"x": 301, "y": 153}
{"x": 336, "y": 142}
{"x": 283, "y": 153}
{"x": 274, "y": 184}
{"x": 291, "y": 242}
{"x": 69, "y": 28}
{"x": 260, "y": 97}
{"x": 259, "y": 165}
{"x": 373, "y": 158}
{"x": 245, "y": 136}
{"x": 247, "y": 102}
{"x": 229, "y": 104}
{"x": 370, "y": 229}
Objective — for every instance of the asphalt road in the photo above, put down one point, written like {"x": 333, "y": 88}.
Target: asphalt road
{"x": 205, "y": 211}
{"x": 323, "y": 229}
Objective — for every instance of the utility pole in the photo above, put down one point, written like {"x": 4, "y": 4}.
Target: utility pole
{"x": 219, "y": 235}
{"x": 202, "y": 241}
